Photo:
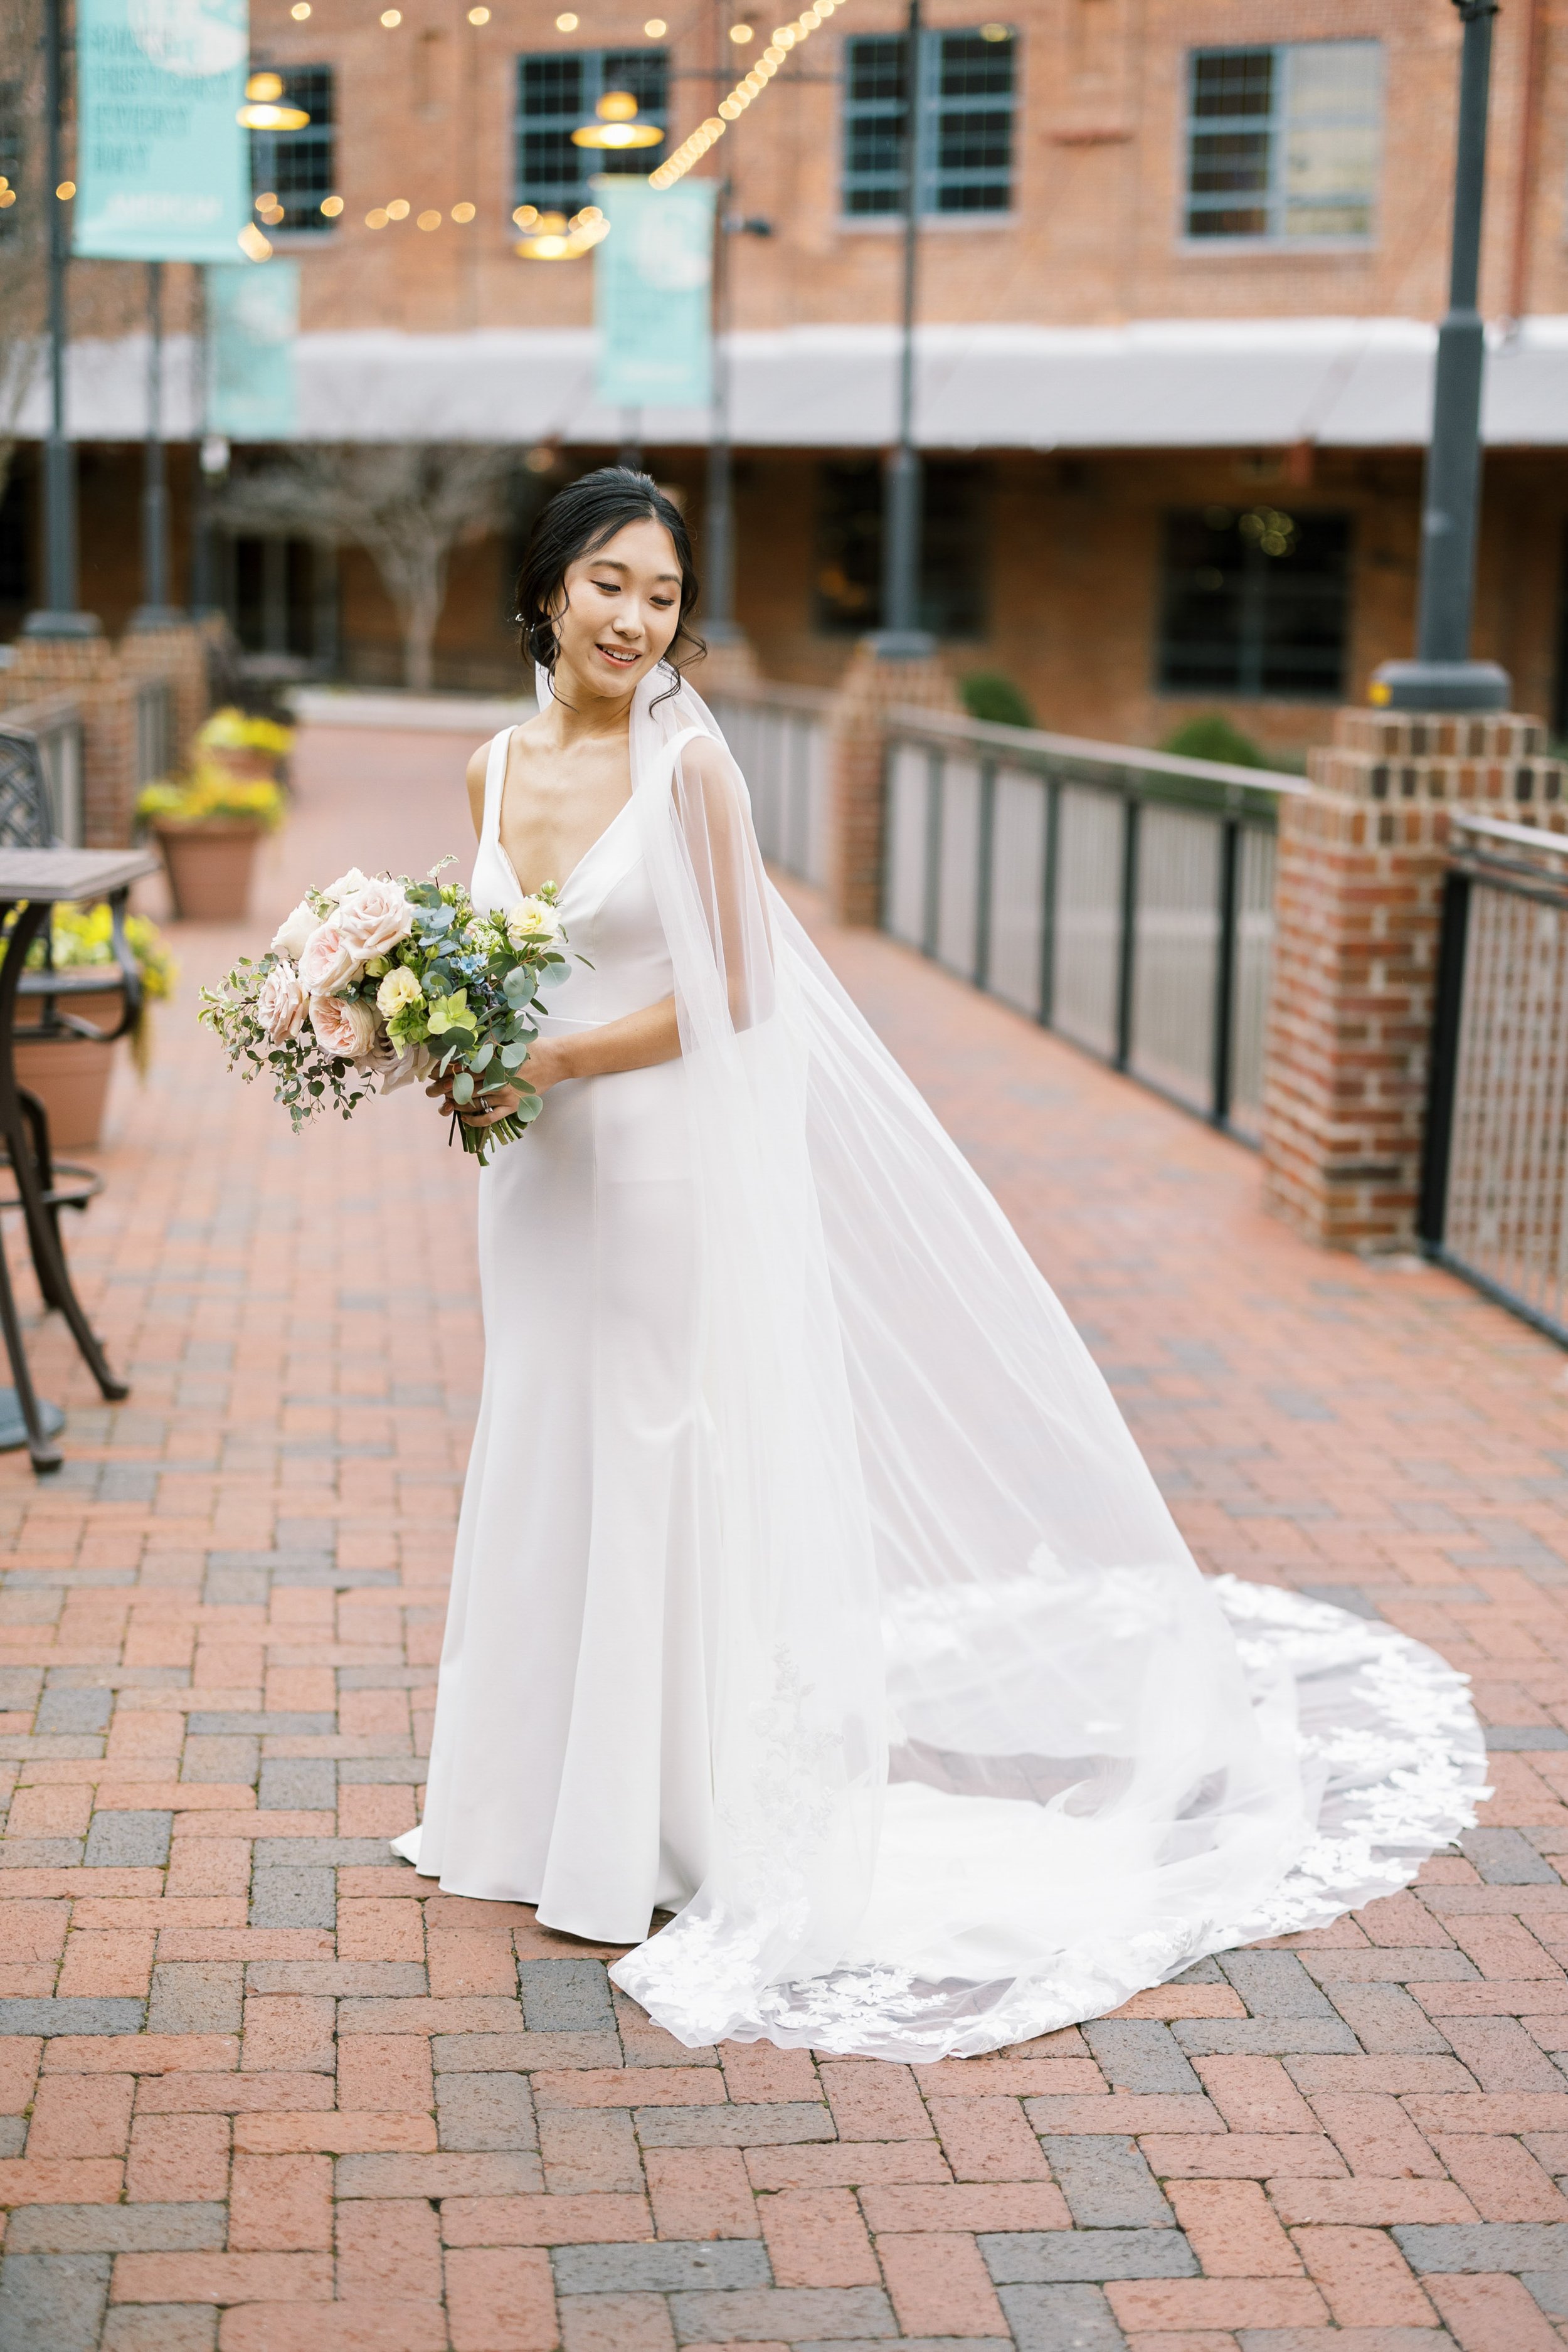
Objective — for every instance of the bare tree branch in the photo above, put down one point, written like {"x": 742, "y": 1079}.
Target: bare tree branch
{"x": 407, "y": 504}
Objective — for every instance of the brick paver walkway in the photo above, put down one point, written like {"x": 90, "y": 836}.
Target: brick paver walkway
{"x": 260, "y": 2087}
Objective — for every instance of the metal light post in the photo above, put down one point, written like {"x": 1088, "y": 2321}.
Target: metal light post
{"x": 1443, "y": 677}
{"x": 154, "y": 611}
{"x": 901, "y": 636}
{"x": 59, "y": 615}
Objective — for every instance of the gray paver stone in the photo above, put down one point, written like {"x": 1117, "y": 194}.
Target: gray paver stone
{"x": 116, "y": 2229}
{"x": 298, "y": 1784}
{"x": 480, "y": 2111}
{"x": 1267, "y": 2037}
{"x": 1504, "y": 1858}
{"x": 68, "y": 2016}
{"x": 1274, "y": 1984}
{"x": 1549, "y": 2289}
{"x": 660, "y": 2269}
{"x": 1035, "y": 2257}
{"x": 790, "y": 2314}
{"x": 483, "y": 2053}
{"x": 197, "y": 1997}
{"x": 1140, "y": 2054}
{"x": 1484, "y": 2245}
{"x": 52, "y": 2300}
{"x": 1062, "y": 2319}
{"x": 565, "y": 1997}
{"x": 129, "y": 1841}
{"x": 1106, "y": 2182}
{"x": 1345, "y": 2339}
{"x": 286, "y": 1897}
{"x": 783, "y": 2126}
{"x": 74, "y": 1710}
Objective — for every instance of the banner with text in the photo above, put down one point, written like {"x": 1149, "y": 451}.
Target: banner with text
{"x": 653, "y": 279}
{"x": 253, "y": 319}
{"x": 163, "y": 166}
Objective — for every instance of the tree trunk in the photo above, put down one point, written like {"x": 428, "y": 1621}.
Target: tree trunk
{"x": 419, "y": 622}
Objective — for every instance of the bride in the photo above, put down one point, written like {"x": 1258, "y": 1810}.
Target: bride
{"x": 809, "y": 1583}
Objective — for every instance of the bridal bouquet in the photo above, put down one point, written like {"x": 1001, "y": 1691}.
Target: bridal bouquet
{"x": 379, "y": 978}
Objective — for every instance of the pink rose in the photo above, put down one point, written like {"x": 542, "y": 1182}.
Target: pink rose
{"x": 345, "y": 884}
{"x": 327, "y": 963}
{"x": 345, "y": 1026}
{"x": 373, "y": 919}
{"x": 280, "y": 1003}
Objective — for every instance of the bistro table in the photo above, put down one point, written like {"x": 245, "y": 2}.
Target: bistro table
{"x": 32, "y": 883}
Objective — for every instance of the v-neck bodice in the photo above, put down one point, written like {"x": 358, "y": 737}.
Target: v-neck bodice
{"x": 606, "y": 907}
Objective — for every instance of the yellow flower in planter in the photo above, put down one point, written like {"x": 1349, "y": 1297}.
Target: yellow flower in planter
{"x": 211, "y": 793}
{"x": 81, "y": 937}
{"x": 231, "y": 729}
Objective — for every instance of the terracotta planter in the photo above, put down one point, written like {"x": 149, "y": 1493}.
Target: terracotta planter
{"x": 209, "y": 866}
{"x": 247, "y": 767}
{"x": 71, "y": 1078}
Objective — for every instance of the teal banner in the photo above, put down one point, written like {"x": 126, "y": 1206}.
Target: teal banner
{"x": 253, "y": 319}
{"x": 653, "y": 279}
{"x": 163, "y": 172}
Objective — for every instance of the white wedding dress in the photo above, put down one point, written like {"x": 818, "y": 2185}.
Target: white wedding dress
{"x": 809, "y": 1583}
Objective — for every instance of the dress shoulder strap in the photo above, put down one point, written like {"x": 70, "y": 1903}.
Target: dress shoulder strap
{"x": 495, "y": 781}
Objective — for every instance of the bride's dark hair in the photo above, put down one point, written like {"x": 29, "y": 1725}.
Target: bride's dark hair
{"x": 578, "y": 521}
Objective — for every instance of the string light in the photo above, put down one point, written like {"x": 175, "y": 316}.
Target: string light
{"x": 254, "y": 243}
{"x": 785, "y": 39}
{"x": 299, "y": 11}
{"x": 332, "y": 206}
{"x": 464, "y": 213}
{"x": 551, "y": 237}
{"x": 428, "y": 220}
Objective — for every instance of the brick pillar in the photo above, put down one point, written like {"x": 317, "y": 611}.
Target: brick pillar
{"x": 91, "y": 669}
{"x": 1358, "y": 902}
{"x": 871, "y": 687}
{"x": 729, "y": 667}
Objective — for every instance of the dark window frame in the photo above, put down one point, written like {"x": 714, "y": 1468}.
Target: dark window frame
{"x": 300, "y": 167}
{"x": 966, "y": 161}
{"x": 1236, "y": 154}
{"x": 1239, "y": 621}
{"x": 847, "y": 579}
{"x": 584, "y": 76}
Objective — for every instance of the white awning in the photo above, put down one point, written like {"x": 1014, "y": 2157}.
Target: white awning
{"x": 1154, "y": 385}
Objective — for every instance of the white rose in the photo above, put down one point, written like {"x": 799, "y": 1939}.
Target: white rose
{"x": 345, "y": 884}
{"x": 327, "y": 963}
{"x": 290, "y": 937}
{"x": 373, "y": 919}
{"x": 400, "y": 987}
{"x": 345, "y": 1026}
{"x": 532, "y": 922}
{"x": 280, "y": 1003}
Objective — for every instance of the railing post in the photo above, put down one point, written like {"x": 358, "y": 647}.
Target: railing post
{"x": 1447, "y": 1005}
{"x": 1127, "y": 944}
{"x": 1224, "y": 969}
{"x": 1048, "y": 904}
{"x": 984, "y": 859}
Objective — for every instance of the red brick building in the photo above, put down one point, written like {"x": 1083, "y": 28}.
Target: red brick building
{"x": 1180, "y": 269}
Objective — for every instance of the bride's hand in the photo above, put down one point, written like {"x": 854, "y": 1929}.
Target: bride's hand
{"x": 544, "y": 1069}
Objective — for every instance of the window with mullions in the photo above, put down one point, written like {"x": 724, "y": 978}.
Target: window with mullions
{"x": 1255, "y": 601}
{"x": 1285, "y": 142}
{"x": 300, "y": 167}
{"x": 554, "y": 95}
{"x": 964, "y": 154}
{"x": 955, "y": 511}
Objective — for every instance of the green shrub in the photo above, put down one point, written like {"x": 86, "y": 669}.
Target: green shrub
{"x": 988, "y": 694}
{"x": 1212, "y": 736}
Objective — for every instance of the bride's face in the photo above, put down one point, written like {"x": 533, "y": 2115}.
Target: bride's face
{"x": 619, "y": 610}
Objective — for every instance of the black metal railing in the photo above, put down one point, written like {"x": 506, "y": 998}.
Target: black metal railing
{"x": 1494, "y": 1203}
{"x": 1122, "y": 898}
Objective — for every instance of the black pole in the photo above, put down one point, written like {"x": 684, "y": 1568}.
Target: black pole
{"x": 59, "y": 615}
{"x": 719, "y": 550}
{"x": 901, "y": 637}
{"x": 154, "y": 612}
{"x": 1443, "y": 677}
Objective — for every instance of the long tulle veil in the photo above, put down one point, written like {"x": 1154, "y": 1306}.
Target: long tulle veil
{"x": 990, "y": 1753}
